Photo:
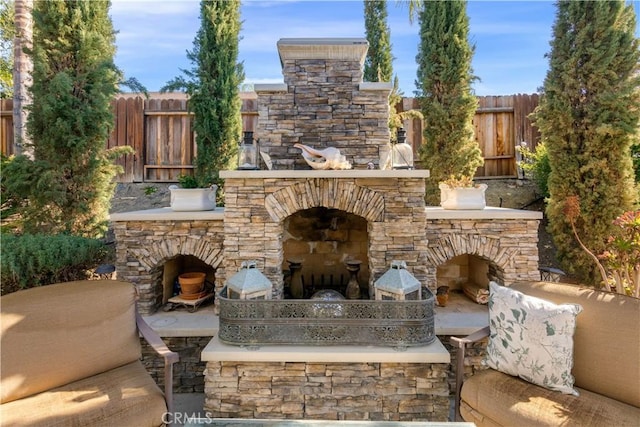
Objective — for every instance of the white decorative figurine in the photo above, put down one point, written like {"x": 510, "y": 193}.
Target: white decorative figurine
{"x": 328, "y": 158}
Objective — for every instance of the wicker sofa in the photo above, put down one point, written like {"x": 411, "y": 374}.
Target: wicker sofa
{"x": 71, "y": 356}
{"x": 606, "y": 367}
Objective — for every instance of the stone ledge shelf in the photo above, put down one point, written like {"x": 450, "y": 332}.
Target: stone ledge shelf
{"x": 217, "y": 351}
{"x": 486, "y": 213}
{"x": 270, "y": 87}
{"x": 384, "y": 86}
{"x": 310, "y": 174}
{"x": 167, "y": 214}
{"x": 179, "y": 323}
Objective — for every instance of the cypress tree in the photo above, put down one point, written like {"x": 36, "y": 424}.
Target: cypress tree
{"x": 588, "y": 118}
{"x": 378, "y": 63}
{"x": 444, "y": 92}
{"x": 213, "y": 88}
{"x": 7, "y": 34}
{"x": 69, "y": 183}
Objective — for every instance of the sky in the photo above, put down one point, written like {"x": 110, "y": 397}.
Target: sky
{"x": 511, "y": 38}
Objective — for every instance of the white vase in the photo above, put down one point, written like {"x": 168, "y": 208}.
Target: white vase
{"x": 193, "y": 199}
{"x": 468, "y": 198}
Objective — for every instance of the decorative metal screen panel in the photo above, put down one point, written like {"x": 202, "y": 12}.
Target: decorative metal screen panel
{"x": 318, "y": 322}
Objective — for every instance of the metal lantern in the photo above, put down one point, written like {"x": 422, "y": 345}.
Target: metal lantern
{"x": 249, "y": 283}
{"x": 397, "y": 284}
{"x": 402, "y": 153}
{"x": 248, "y": 153}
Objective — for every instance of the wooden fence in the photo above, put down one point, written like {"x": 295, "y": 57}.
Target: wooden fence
{"x": 159, "y": 130}
{"x": 500, "y": 123}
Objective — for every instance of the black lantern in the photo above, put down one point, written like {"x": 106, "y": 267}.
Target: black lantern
{"x": 248, "y": 153}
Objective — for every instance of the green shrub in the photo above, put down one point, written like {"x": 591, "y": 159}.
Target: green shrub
{"x": 31, "y": 260}
{"x": 10, "y": 201}
{"x": 536, "y": 165}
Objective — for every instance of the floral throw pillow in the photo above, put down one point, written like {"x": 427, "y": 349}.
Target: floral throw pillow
{"x": 531, "y": 338}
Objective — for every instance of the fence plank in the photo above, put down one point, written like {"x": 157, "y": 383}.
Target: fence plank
{"x": 6, "y": 126}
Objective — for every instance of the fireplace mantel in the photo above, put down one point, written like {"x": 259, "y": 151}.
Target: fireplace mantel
{"x": 311, "y": 174}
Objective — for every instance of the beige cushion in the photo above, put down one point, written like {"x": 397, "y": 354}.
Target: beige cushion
{"x": 124, "y": 396}
{"x": 606, "y": 340}
{"x": 54, "y": 335}
{"x": 491, "y": 398}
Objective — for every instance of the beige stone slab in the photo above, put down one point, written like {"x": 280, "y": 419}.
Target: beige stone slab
{"x": 486, "y": 213}
{"x": 167, "y": 214}
{"x": 310, "y": 174}
{"x": 217, "y": 351}
{"x": 180, "y": 323}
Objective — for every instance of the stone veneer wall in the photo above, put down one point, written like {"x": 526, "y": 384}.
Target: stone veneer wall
{"x": 187, "y": 372}
{"x": 144, "y": 246}
{"x": 509, "y": 245}
{"x": 329, "y": 391}
{"x": 323, "y": 103}
{"x": 255, "y": 210}
{"x": 190, "y": 370}
{"x": 253, "y": 229}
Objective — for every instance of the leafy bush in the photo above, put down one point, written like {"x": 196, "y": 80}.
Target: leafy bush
{"x": 619, "y": 264}
{"x": 535, "y": 163}
{"x": 31, "y": 260}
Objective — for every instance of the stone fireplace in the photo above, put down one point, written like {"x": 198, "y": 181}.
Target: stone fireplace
{"x": 324, "y": 218}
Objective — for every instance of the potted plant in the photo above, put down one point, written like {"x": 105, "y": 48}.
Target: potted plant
{"x": 460, "y": 192}
{"x": 190, "y": 196}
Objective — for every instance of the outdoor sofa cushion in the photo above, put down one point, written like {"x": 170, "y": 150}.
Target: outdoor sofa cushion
{"x": 606, "y": 368}
{"x": 45, "y": 345}
{"x": 128, "y": 388}
{"x": 71, "y": 357}
{"x": 606, "y": 341}
{"x": 514, "y": 402}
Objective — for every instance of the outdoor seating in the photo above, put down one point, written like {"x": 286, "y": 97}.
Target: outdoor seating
{"x": 71, "y": 356}
{"x": 606, "y": 355}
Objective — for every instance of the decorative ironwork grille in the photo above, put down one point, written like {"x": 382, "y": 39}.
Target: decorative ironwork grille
{"x": 397, "y": 324}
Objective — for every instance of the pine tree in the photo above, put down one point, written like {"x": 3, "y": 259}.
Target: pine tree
{"x": 588, "y": 117}
{"x": 69, "y": 182}
{"x": 444, "y": 92}
{"x": 213, "y": 88}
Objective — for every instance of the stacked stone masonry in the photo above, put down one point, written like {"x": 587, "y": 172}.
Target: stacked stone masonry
{"x": 187, "y": 372}
{"x": 256, "y": 209}
{"x": 251, "y": 231}
{"x": 323, "y": 106}
{"x": 327, "y": 391}
{"x": 145, "y": 246}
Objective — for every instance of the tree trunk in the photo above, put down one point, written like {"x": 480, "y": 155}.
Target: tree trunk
{"x": 22, "y": 78}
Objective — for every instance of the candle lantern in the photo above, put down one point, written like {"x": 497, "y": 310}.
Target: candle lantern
{"x": 402, "y": 153}
{"x": 248, "y": 153}
{"x": 249, "y": 283}
{"x": 397, "y": 284}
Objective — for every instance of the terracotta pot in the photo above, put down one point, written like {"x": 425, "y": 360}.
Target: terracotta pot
{"x": 191, "y": 283}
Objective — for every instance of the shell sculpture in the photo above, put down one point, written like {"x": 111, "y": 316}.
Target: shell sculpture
{"x": 327, "y": 158}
